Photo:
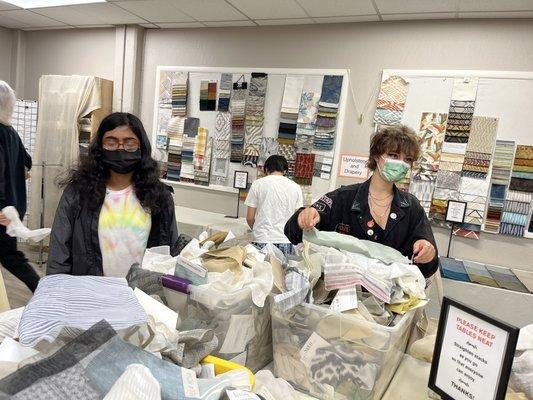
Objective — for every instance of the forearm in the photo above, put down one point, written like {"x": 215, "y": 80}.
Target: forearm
{"x": 292, "y": 228}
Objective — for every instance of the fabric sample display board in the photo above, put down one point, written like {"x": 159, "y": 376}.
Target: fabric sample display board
{"x": 461, "y": 111}
{"x": 328, "y": 107}
{"x": 500, "y": 178}
{"x": 179, "y": 93}
{"x": 391, "y": 101}
{"x": 306, "y": 123}
{"x": 190, "y": 131}
{"x": 224, "y": 93}
{"x": 253, "y": 123}
{"x": 237, "y": 108}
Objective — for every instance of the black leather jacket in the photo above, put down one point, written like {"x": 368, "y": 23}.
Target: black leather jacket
{"x": 74, "y": 244}
{"x": 346, "y": 210}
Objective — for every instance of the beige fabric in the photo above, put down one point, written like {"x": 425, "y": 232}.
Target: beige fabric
{"x": 423, "y": 349}
{"x": 136, "y": 383}
{"x": 63, "y": 100}
{"x": 221, "y": 260}
{"x": 4, "y": 302}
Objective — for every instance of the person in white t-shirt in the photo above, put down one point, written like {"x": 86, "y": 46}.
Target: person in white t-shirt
{"x": 271, "y": 202}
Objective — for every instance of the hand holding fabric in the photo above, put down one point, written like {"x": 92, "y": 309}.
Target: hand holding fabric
{"x": 4, "y": 221}
{"x": 308, "y": 218}
{"x": 423, "y": 252}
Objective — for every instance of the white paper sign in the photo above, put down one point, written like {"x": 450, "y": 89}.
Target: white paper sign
{"x": 240, "y": 332}
{"x": 241, "y": 395}
{"x": 241, "y": 180}
{"x": 455, "y": 211}
{"x": 353, "y": 166}
{"x": 346, "y": 299}
{"x": 308, "y": 351}
{"x": 471, "y": 357}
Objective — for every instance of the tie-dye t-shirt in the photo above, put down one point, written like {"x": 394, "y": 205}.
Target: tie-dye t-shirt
{"x": 123, "y": 230}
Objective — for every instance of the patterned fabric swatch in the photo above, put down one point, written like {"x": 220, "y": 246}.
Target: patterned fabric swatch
{"x": 522, "y": 175}
{"x": 190, "y": 131}
{"x": 466, "y": 230}
{"x": 423, "y": 191}
{"x": 328, "y": 107}
{"x": 289, "y": 109}
{"x": 221, "y": 148}
{"x": 237, "y": 107}
{"x": 516, "y": 209}
{"x": 461, "y": 111}
{"x": 253, "y": 125}
{"x": 202, "y": 169}
{"x": 199, "y": 148}
{"x": 391, "y": 101}
{"x": 175, "y": 130}
{"x": 179, "y": 93}
{"x": 208, "y": 95}
{"x": 431, "y": 137}
{"x": 306, "y": 123}
{"x": 269, "y": 147}
{"x": 303, "y": 169}
{"x": 224, "y": 93}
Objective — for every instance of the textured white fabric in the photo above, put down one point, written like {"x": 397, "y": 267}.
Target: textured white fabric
{"x": 17, "y": 229}
{"x": 276, "y": 198}
{"x": 136, "y": 383}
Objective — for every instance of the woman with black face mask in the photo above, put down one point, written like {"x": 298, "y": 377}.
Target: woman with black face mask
{"x": 114, "y": 206}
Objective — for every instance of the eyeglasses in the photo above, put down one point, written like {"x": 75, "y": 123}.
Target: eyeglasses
{"x": 112, "y": 144}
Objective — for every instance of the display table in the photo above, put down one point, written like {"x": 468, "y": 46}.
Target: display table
{"x": 192, "y": 222}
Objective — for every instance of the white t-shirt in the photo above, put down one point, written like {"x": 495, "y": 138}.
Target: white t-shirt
{"x": 276, "y": 199}
{"x": 123, "y": 230}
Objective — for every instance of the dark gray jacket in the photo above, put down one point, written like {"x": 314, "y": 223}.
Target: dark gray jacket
{"x": 74, "y": 244}
{"x": 13, "y": 160}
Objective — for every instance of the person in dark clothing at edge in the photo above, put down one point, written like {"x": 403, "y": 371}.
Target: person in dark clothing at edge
{"x": 14, "y": 161}
{"x": 114, "y": 206}
{"x": 377, "y": 210}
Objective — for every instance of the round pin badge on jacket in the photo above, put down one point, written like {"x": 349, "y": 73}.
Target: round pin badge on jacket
{"x": 393, "y": 215}
{"x": 370, "y": 232}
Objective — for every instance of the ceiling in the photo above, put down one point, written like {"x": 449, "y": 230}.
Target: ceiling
{"x": 222, "y": 13}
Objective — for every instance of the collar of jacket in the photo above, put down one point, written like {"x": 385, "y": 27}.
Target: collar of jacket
{"x": 360, "y": 202}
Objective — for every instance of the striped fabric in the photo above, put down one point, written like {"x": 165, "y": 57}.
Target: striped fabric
{"x": 79, "y": 302}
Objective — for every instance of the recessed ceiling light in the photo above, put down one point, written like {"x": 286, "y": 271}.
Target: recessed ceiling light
{"x": 49, "y": 3}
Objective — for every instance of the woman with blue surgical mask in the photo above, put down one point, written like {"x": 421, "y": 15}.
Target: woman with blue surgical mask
{"x": 377, "y": 210}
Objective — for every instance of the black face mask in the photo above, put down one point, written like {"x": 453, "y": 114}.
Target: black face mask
{"x": 121, "y": 161}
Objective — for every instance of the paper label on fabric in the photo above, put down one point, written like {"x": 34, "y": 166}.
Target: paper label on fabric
{"x": 194, "y": 268}
{"x": 265, "y": 393}
{"x": 190, "y": 383}
{"x": 240, "y": 359}
{"x": 240, "y": 332}
{"x": 346, "y": 299}
{"x": 324, "y": 176}
{"x": 208, "y": 371}
{"x": 327, "y": 160}
{"x": 241, "y": 395}
{"x": 326, "y": 168}
{"x": 308, "y": 351}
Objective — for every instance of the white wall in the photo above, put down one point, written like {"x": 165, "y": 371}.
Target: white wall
{"x": 6, "y": 45}
{"x": 68, "y": 52}
{"x": 366, "y": 49}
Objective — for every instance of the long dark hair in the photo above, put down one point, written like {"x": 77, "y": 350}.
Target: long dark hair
{"x": 90, "y": 176}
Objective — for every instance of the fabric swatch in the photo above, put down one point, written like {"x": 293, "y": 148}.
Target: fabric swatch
{"x": 269, "y": 147}
{"x": 478, "y": 273}
{"x": 391, "y": 101}
{"x": 253, "y": 125}
{"x": 431, "y": 138}
{"x": 520, "y": 182}
{"x": 179, "y": 93}
{"x": 224, "y": 94}
{"x": 237, "y": 108}
{"x": 460, "y": 114}
{"x": 290, "y": 107}
{"x": 303, "y": 169}
{"x": 328, "y": 106}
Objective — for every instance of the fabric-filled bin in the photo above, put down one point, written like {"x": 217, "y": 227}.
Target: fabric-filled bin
{"x": 331, "y": 355}
{"x": 243, "y": 329}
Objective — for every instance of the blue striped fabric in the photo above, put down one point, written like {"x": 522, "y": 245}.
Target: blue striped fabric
{"x": 78, "y": 302}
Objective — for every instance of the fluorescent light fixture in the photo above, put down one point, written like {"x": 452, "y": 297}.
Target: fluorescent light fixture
{"x": 49, "y": 3}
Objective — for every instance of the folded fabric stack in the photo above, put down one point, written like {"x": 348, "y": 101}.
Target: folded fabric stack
{"x": 224, "y": 93}
{"x": 306, "y": 123}
{"x": 253, "y": 125}
{"x": 328, "y": 108}
{"x": 237, "y": 108}
{"x": 175, "y": 129}
{"x": 190, "y": 131}
{"x": 500, "y": 178}
{"x": 179, "y": 94}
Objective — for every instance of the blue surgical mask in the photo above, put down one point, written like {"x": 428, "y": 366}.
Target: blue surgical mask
{"x": 394, "y": 170}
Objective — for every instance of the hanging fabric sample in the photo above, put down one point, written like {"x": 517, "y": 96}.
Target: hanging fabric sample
{"x": 202, "y": 162}
{"x": 208, "y": 95}
{"x": 289, "y": 115}
{"x": 269, "y": 147}
{"x": 179, "y": 94}
{"x": 328, "y": 107}
{"x": 175, "y": 129}
{"x": 522, "y": 175}
{"x": 462, "y": 106}
{"x": 391, "y": 101}
{"x": 253, "y": 123}
{"x": 303, "y": 169}
{"x": 204, "y": 87}
{"x": 515, "y": 213}
{"x": 502, "y": 163}
{"x": 190, "y": 131}
{"x": 237, "y": 108}
{"x": 306, "y": 123}
{"x": 221, "y": 148}
{"x": 224, "y": 93}
{"x": 322, "y": 167}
